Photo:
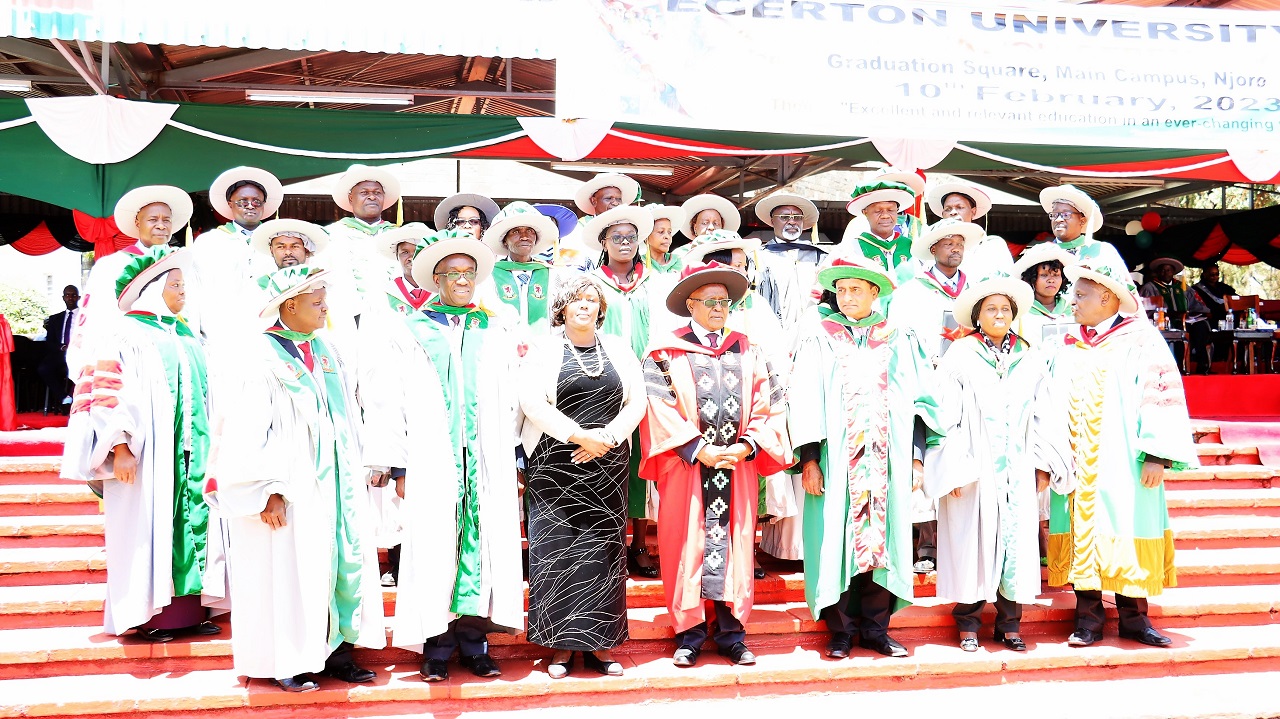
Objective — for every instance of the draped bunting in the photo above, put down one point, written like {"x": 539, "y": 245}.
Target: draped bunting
{"x": 102, "y": 232}
{"x": 40, "y": 235}
{"x": 1239, "y": 238}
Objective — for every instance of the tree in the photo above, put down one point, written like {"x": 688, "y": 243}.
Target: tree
{"x": 24, "y": 308}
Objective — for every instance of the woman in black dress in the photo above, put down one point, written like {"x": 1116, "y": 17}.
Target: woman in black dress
{"x": 582, "y": 394}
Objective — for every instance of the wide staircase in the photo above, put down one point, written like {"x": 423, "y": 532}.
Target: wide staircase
{"x": 55, "y": 661}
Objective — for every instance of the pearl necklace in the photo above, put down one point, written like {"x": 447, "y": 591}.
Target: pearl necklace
{"x": 599, "y": 361}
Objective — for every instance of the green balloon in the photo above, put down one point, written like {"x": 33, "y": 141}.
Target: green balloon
{"x": 1143, "y": 239}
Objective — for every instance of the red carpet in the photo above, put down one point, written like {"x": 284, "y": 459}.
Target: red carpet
{"x": 1236, "y": 396}
{"x": 36, "y": 420}
{"x": 1263, "y": 435}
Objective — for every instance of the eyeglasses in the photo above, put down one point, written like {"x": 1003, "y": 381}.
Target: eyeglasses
{"x": 470, "y": 275}
{"x": 712, "y": 304}
{"x": 465, "y": 221}
{"x": 623, "y": 239}
{"x": 1064, "y": 215}
{"x": 789, "y": 218}
{"x": 248, "y": 204}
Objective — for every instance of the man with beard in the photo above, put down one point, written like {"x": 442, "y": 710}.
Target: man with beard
{"x": 789, "y": 263}
{"x": 287, "y": 243}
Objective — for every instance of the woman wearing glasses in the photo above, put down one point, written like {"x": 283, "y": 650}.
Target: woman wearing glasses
{"x": 583, "y": 395}
{"x": 617, "y": 235}
{"x": 468, "y": 213}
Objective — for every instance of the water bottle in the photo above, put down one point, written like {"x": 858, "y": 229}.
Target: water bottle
{"x": 1231, "y": 320}
{"x": 1253, "y": 318}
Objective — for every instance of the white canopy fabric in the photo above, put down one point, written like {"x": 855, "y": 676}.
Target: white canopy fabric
{"x": 493, "y": 28}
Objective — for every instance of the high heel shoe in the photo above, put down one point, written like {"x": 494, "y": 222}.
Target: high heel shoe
{"x": 608, "y": 668}
{"x": 634, "y": 566}
{"x": 1014, "y": 643}
{"x": 560, "y": 670}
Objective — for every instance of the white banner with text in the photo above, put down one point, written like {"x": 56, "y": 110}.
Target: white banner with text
{"x": 1039, "y": 73}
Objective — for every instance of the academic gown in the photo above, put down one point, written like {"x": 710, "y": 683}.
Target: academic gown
{"x": 147, "y": 390}
{"x": 1031, "y": 323}
{"x": 1110, "y": 533}
{"x": 523, "y": 307}
{"x": 858, "y": 390}
{"x": 632, "y": 310}
{"x": 302, "y": 590}
{"x": 432, "y": 397}
{"x": 788, "y": 278}
{"x": 671, "y": 424}
{"x": 98, "y": 310}
{"x": 999, "y": 425}
{"x": 358, "y": 274}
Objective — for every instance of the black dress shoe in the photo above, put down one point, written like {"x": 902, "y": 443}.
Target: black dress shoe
{"x": 298, "y": 685}
{"x": 350, "y": 673}
{"x": 969, "y": 644}
{"x": 1014, "y": 643}
{"x": 434, "y": 670}
{"x": 884, "y": 644}
{"x": 1148, "y": 636}
{"x": 1083, "y": 638}
{"x": 205, "y": 629}
{"x": 634, "y": 566}
{"x": 759, "y": 573}
{"x": 839, "y": 646}
{"x": 738, "y": 654}
{"x": 156, "y": 635}
{"x": 482, "y": 665}
{"x": 610, "y": 668}
{"x": 686, "y": 656}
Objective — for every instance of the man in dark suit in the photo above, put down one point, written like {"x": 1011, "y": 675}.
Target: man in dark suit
{"x": 57, "y": 334}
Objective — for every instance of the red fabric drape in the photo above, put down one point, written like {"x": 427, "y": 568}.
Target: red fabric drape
{"x": 102, "y": 232}
{"x": 39, "y": 241}
{"x": 8, "y": 414}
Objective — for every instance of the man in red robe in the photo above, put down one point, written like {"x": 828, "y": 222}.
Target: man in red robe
{"x": 716, "y": 422}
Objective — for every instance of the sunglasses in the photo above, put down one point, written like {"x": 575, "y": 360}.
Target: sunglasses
{"x": 712, "y": 304}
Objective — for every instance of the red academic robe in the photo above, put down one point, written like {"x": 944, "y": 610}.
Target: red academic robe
{"x": 8, "y": 415}
{"x": 681, "y": 516}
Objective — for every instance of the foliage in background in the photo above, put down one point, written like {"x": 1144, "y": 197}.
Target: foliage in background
{"x": 1258, "y": 279}
{"x": 24, "y": 309}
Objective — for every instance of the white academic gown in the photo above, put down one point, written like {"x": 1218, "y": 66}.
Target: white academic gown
{"x": 787, "y": 280}
{"x": 281, "y": 584}
{"x": 998, "y": 431}
{"x": 407, "y": 427}
{"x": 98, "y": 310}
{"x": 138, "y": 516}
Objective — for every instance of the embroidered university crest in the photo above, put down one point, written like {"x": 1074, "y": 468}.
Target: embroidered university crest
{"x": 324, "y": 363}
{"x": 508, "y": 292}
{"x": 537, "y": 292}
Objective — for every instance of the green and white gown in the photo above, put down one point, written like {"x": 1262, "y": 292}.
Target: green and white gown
{"x": 147, "y": 390}
{"x": 302, "y": 590}
{"x": 520, "y": 292}
{"x": 856, "y": 389}
{"x": 439, "y": 401}
{"x": 998, "y": 416}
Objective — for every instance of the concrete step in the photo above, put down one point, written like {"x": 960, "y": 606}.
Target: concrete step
{"x": 1214, "y": 454}
{"x": 1228, "y": 476}
{"x": 32, "y": 470}
{"x": 17, "y": 500}
{"x": 1184, "y": 502}
{"x": 1223, "y": 567}
{"x": 161, "y": 691}
{"x": 61, "y": 650}
{"x": 1225, "y": 531}
{"x": 52, "y": 565}
{"x": 76, "y": 530}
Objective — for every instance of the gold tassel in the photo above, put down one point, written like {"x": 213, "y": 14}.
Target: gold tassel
{"x": 400, "y": 211}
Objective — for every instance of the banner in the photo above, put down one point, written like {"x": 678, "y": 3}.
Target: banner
{"x": 945, "y": 71}
{"x": 485, "y": 28}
